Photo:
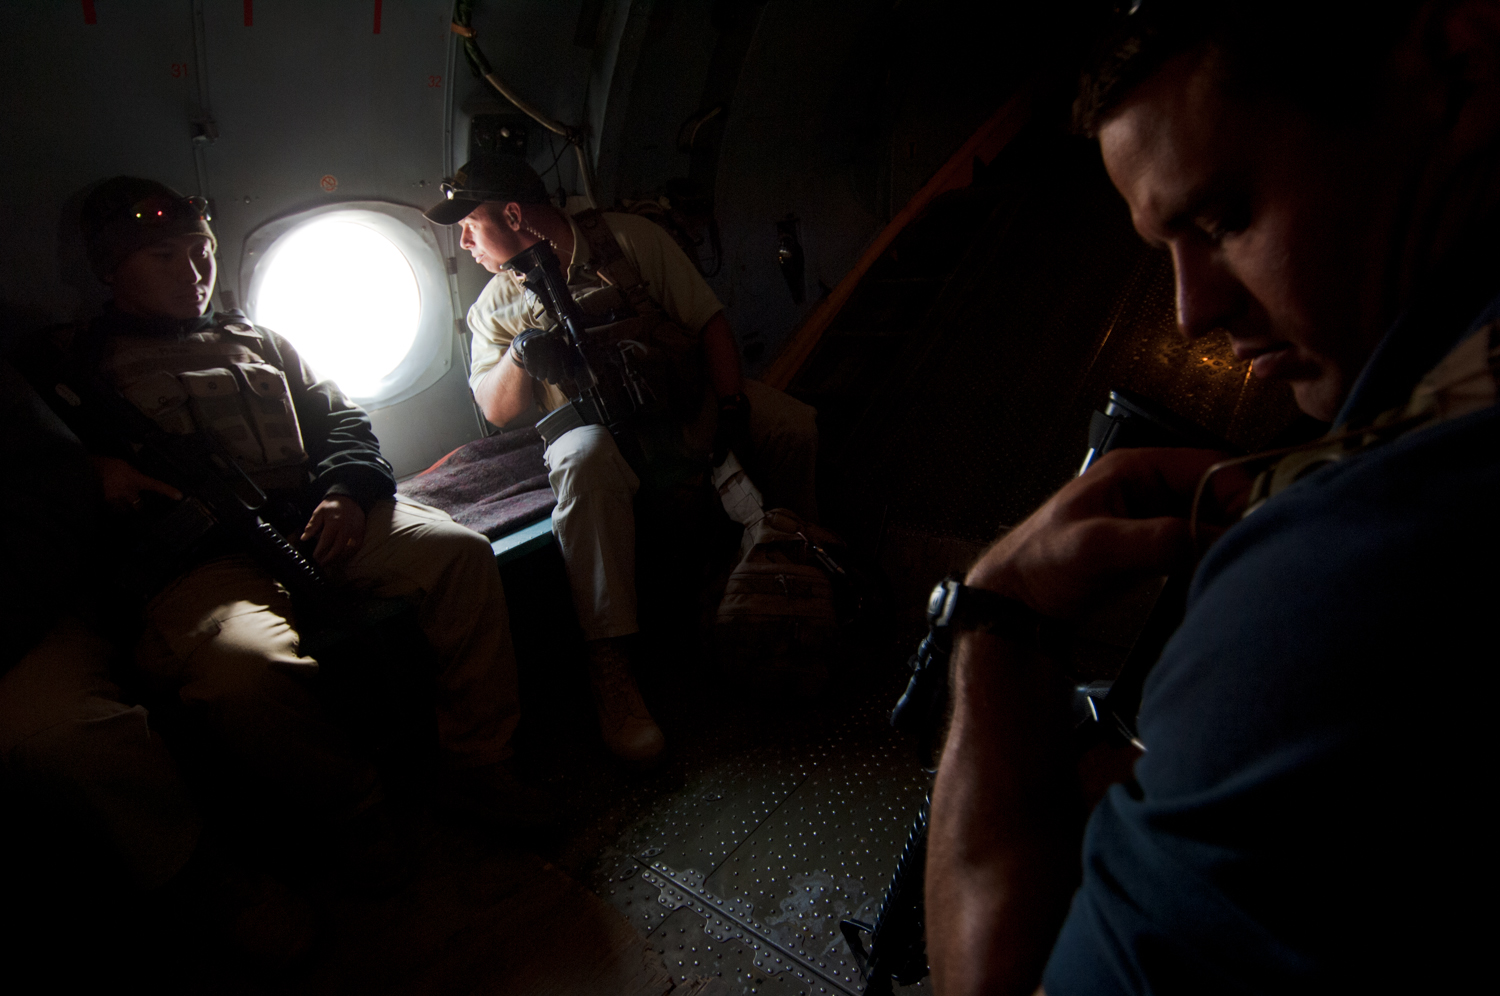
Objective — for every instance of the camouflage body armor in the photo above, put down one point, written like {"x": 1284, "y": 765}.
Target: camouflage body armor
{"x": 226, "y": 381}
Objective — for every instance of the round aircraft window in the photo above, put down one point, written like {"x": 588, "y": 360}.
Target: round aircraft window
{"x": 346, "y": 297}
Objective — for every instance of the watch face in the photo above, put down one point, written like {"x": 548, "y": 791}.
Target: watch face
{"x": 937, "y": 602}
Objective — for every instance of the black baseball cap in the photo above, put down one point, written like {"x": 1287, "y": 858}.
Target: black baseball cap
{"x": 125, "y": 214}
{"x": 487, "y": 178}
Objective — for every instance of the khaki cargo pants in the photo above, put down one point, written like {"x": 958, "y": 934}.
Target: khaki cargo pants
{"x": 595, "y": 515}
{"x": 67, "y": 737}
{"x": 224, "y": 636}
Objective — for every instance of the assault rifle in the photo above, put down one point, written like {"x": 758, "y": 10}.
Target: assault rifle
{"x": 607, "y": 389}
{"x": 542, "y": 272}
{"x": 611, "y": 386}
{"x": 217, "y": 494}
{"x": 1103, "y": 711}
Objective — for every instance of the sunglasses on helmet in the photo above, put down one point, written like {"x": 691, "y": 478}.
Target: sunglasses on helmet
{"x": 451, "y": 192}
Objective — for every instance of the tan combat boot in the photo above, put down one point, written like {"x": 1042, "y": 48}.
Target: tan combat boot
{"x": 628, "y": 729}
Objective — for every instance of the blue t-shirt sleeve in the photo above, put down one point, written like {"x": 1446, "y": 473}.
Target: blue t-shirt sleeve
{"x": 1303, "y": 779}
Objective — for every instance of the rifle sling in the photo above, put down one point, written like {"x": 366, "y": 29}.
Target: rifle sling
{"x": 607, "y": 259}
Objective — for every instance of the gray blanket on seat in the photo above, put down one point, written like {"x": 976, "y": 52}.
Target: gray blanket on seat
{"x": 493, "y": 485}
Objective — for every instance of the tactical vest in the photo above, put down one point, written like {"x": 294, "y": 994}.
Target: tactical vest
{"x": 668, "y": 356}
{"x": 224, "y": 381}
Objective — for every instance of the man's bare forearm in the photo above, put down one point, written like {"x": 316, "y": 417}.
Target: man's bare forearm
{"x": 1003, "y": 845}
{"x": 1003, "y": 853}
{"x": 504, "y": 392}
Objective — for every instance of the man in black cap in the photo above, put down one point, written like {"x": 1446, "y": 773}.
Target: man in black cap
{"x": 220, "y": 632}
{"x": 1308, "y": 812}
{"x": 503, "y": 208}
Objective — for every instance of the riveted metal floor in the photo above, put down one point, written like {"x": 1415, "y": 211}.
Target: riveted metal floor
{"x": 745, "y": 872}
{"x": 763, "y": 826}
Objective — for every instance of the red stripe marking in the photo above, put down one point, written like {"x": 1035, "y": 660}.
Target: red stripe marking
{"x": 249, "y": 13}
{"x": 377, "y": 17}
{"x": 89, "y": 14}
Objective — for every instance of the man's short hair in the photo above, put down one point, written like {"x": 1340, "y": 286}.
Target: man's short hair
{"x": 125, "y": 214}
{"x": 1322, "y": 57}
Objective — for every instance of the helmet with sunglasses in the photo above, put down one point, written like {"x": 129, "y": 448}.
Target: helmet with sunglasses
{"x": 490, "y": 177}
{"x": 125, "y": 214}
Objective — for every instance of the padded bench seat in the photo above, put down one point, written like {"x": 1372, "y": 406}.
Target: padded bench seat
{"x": 513, "y": 546}
{"x": 496, "y": 486}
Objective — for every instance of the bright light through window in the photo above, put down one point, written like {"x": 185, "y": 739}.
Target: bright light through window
{"x": 346, "y": 297}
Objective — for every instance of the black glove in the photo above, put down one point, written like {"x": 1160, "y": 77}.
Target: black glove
{"x": 546, "y": 355}
{"x": 733, "y": 432}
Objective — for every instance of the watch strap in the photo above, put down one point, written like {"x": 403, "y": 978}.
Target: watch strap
{"x": 955, "y": 606}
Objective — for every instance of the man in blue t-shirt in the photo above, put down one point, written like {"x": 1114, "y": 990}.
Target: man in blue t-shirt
{"x": 1306, "y": 815}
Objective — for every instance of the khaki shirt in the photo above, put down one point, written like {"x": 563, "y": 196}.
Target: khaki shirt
{"x": 505, "y": 308}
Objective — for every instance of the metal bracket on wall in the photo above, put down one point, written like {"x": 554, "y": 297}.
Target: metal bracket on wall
{"x": 204, "y": 128}
{"x": 790, "y": 258}
{"x": 504, "y": 134}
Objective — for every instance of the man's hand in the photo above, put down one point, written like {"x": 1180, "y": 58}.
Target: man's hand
{"x": 123, "y": 485}
{"x": 545, "y": 354}
{"x": 1002, "y": 855}
{"x": 339, "y": 524}
{"x": 1126, "y": 517}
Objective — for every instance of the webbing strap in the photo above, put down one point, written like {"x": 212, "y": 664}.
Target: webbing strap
{"x": 610, "y": 263}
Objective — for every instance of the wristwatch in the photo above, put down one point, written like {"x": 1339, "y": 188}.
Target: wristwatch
{"x": 955, "y": 607}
